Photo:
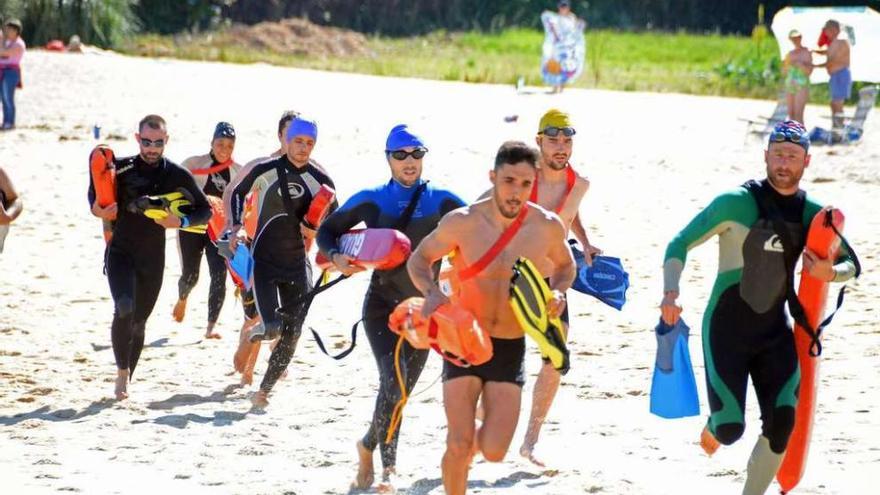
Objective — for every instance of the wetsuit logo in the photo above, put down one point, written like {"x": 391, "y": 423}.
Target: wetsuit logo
{"x": 774, "y": 244}
{"x": 295, "y": 190}
{"x": 219, "y": 182}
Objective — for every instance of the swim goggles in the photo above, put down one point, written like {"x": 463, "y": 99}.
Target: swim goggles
{"x": 555, "y": 131}
{"x": 791, "y": 133}
{"x": 401, "y": 155}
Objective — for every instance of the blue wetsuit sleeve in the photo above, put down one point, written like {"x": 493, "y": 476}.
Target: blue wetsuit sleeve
{"x": 357, "y": 209}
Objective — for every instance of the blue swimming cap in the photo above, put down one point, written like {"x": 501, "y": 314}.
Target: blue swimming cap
{"x": 400, "y": 137}
{"x": 224, "y": 130}
{"x": 302, "y": 126}
{"x": 791, "y": 131}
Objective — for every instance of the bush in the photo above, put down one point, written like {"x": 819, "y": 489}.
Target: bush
{"x": 105, "y": 23}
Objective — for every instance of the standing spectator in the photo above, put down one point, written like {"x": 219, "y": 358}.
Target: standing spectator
{"x": 11, "y": 52}
{"x": 798, "y": 66}
{"x": 837, "y": 65}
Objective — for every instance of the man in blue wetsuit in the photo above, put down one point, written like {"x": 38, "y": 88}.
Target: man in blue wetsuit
{"x": 382, "y": 207}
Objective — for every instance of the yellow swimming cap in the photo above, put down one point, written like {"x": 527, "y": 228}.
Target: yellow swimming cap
{"x": 554, "y": 118}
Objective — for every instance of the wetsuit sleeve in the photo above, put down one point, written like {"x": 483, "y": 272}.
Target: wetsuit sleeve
{"x": 201, "y": 209}
{"x": 91, "y": 192}
{"x": 451, "y": 202}
{"x": 239, "y": 192}
{"x": 844, "y": 266}
{"x": 359, "y": 208}
{"x": 713, "y": 220}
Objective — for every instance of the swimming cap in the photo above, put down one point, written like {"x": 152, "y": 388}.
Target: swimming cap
{"x": 400, "y": 137}
{"x": 224, "y": 130}
{"x": 554, "y": 118}
{"x": 790, "y": 131}
{"x": 302, "y": 126}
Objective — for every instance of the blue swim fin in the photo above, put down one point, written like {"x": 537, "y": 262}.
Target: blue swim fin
{"x": 606, "y": 280}
{"x": 674, "y": 388}
{"x": 243, "y": 264}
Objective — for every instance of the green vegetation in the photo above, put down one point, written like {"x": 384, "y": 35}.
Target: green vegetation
{"x": 105, "y": 23}
{"x": 650, "y": 61}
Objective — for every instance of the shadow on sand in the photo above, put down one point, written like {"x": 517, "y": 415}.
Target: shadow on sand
{"x": 46, "y": 414}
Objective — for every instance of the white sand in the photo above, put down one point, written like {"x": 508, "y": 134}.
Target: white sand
{"x": 654, "y": 161}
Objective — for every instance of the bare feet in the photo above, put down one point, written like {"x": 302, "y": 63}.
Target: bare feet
{"x": 387, "y": 483}
{"x": 121, "y": 389}
{"x": 708, "y": 442}
{"x": 210, "y": 333}
{"x": 527, "y": 451}
{"x": 260, "y": 400}
{"x": 179, "y": 310}
{"x": 365, "y": 475}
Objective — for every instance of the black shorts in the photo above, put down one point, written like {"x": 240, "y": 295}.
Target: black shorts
{"x": 507, "y": 364}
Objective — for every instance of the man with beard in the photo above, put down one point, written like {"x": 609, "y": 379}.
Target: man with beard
{"x": 560, "y": 189}
{"x": 283, "y": 189}
{"x": 135, "y": 256}
{"x": 488, "y": 237}
{"x": 385, "y": 207}
{"x": 745, "y": 328}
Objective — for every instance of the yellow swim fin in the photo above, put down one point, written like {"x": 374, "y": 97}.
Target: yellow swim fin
{"x": 157, "y": 207}
{"x": 529, "y": 294}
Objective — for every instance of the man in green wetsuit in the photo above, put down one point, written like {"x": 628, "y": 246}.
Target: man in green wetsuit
{"x": 745, "y": 327}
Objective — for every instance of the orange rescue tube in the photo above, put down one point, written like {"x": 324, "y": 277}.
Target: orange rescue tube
{"x": 812, "y": 293}
{"x": 218, "y": 218}
{"x": 103, "y": 175}
{"x": 451, "y": 330}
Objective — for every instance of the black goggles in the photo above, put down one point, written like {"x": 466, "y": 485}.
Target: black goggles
{"x": 555, "y": 131}
{"x": 401, "y": 155}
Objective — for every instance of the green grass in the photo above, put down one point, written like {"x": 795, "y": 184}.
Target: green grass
{"x": 649, "y": 61}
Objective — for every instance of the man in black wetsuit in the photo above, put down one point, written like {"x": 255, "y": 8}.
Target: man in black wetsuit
{"x": 135, "y": 256}
{"x": 383, "y": 207}
{"x": 283, "y": 189}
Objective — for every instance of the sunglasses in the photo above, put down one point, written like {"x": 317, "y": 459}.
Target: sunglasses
{"x": 555, "y": 131}
{"x": 146, "y": 143}
{"x": 401, "y": 155}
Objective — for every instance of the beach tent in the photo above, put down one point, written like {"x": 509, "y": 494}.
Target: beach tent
{"x": 860, "y": 24}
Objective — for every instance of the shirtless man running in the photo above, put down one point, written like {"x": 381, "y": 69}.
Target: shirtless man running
{"x": 471, "y": 232}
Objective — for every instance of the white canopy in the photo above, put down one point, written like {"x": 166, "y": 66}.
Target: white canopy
{"x": 860, "y": 24}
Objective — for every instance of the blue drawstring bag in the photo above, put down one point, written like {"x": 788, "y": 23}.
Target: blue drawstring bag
{"x": 674, "y": 388}
{"x": 606, "y": 280}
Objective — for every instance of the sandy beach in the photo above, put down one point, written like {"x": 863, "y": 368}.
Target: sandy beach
{"x": 654, "y": 161}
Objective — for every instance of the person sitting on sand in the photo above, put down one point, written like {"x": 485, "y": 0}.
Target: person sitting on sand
{"x": 797, "y": 67}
